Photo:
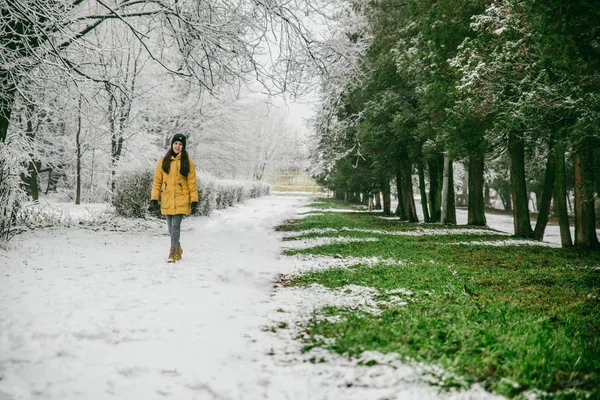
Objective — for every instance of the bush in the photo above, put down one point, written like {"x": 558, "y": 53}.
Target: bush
{"x": 239, "y": 194}
{"x": 132, "y": 194}
{"x": 257, "y": 189}
{"x": 226, "y": 194}
{"x": 132, "y": 197}
{"x": 218, "y": 194}
{"x": 207, "y": 195}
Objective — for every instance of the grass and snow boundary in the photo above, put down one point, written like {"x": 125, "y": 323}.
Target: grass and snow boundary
{"x": 384, "y": 370}
{"x": 328, "y": 286}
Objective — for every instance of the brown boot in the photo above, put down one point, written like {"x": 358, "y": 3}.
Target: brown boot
{"x": 178, "y": 252}
{"x": 172, "y": 255}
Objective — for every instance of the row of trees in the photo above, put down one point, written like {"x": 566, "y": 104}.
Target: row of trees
{"x": 506, "y": 87}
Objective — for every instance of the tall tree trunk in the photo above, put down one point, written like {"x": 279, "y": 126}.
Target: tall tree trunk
{"x": 463, "y": 199}
{"x": 50, "y": 177}
{"x": 32, "y": 167}
{"x": 400, "y": 208}
{"x": 435, "y": 188}
{"x": 78, "y": 155}
{"x": 378, "y": 200}
{"x": 451, "y": 201}
{"x": 445, "y": 177}
{"x": 12, "y": 34}
{"x": 520, "y": 198}
{"x": 476, "y": 202}
{"x": 112, "y": 126}
{"x": 561, "y": 197}
{"x": 585, "y": 215}
{"x": 407, "y": 192}
{"x": 33, "y": 180}
{"x": 423, "y": 191}
{"x": 486, "y": 195}
{"x": 505, "y": 196}
{"x": 387, "y": 197}
{"x": 539, "y": 193}
{"x": 6, "y": 103}
{"x": 92, "y": 163}
{"x": 546, "y": 196}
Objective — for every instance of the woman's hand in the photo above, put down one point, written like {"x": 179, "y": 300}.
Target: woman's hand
{"x": 194, "y": 207}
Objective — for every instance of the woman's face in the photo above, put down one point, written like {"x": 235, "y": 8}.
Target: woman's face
{"x": 177, "y": 147}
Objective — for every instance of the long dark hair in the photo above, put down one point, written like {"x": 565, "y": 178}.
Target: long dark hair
{"x": 185, "y": 162}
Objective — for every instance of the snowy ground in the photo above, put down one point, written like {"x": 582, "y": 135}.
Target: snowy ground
{"x": 99, "y": 314}
{"x": 503, "y": 223}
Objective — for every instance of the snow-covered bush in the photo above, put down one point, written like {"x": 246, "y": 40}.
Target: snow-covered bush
{"x": 257, "y": 189}
{"x": 39, "y": 215}
{"x": 239, "y": 194}
{"x": 11, "y": 193}
{"x": 132, "y": 196}
{"x": 132, "y": 193}
{"x": 217, "y": 194}
{"x": 207, "y": 194}
{"x": 227, "y": 194}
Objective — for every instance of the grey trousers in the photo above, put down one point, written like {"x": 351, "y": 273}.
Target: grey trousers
{"x": 174, "y": 225}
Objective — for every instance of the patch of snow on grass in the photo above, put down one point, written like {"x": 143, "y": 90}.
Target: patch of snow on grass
{"x": 317, "y": 296}
{"x": 499, "y": 243}
{"x": 323, "y": 241}
{"x": 401, "y": 291}
{"x": 312, "y": 262}
{"x": 416, "y": 232}
{"x": 309, "y": 231}
{"x": 341, "y": 210}
{"x": 372, "y": 375}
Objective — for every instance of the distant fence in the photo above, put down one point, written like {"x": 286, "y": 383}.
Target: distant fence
{"x": 293, "y": 180}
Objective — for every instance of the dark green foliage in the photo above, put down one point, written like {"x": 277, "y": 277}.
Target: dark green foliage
{"x": 472, "y": 78}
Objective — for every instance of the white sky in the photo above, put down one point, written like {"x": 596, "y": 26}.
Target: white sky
{"x": 300, "y": 110}
{"x": 99, "y": 314}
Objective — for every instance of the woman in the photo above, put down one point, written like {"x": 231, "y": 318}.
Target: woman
{"x": 175, "y": 183}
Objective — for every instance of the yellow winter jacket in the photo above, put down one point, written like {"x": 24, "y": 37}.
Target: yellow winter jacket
{"x": 175, "y": 190}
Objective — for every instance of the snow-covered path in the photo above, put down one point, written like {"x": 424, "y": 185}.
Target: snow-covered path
{"x": 100, "y": 315}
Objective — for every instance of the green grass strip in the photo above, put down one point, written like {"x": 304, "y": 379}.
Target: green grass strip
{"x": 513, "y": 318}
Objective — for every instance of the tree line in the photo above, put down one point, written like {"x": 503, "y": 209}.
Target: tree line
{"x": 508, "y": 88}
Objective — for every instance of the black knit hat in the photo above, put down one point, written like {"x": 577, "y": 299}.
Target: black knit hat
{"x": 179, "y": 138}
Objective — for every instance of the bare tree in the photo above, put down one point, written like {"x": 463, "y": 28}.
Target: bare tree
{"x": 206, "y": 42}
{"x": 120, "y": 66}
{"x": 268, "y": 136}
